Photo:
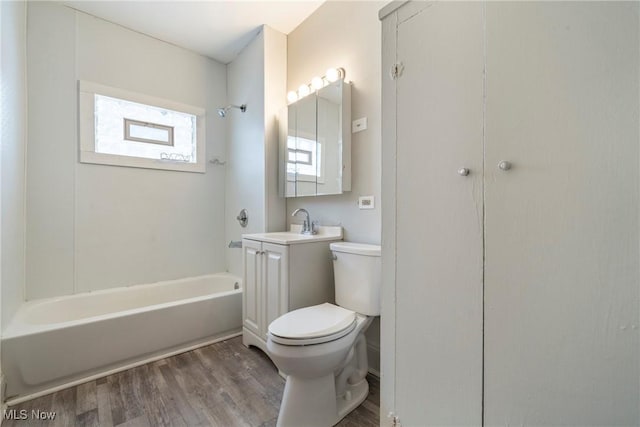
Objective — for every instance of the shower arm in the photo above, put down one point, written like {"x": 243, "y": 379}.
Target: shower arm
{"x": 222, "y": 112}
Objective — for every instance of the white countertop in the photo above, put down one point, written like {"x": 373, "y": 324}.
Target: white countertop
{"x": 293, "y": 236}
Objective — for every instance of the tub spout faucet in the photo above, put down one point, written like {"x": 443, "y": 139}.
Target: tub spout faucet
{"x": 307, "y": 227}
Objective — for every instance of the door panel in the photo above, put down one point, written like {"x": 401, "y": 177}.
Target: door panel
{"x": 439, "y": 216}
{"x": 561, "y": 278}
{"x": 276, "y": 286}
{"x": 252, "y": 266}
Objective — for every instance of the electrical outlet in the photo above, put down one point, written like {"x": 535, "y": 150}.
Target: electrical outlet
{"x": 366, "y": 202}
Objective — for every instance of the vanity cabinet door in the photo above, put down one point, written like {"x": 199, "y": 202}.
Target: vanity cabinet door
{"x": 252, "y": 278}
{"x": 275, "y": 286}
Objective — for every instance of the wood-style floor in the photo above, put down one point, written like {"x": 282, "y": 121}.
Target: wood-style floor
{"x": 223, "y": 384}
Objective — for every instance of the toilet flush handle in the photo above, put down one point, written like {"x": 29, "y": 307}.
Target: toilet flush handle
{"x": 334, "y": 256}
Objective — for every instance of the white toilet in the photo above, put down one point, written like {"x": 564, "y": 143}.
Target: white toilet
{"x": 322, "y": 348}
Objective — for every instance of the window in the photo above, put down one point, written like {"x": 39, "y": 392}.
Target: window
{"x": 123, "y": 128}
{"x": 304, "y": 159}
{"x": 152, "y": 133}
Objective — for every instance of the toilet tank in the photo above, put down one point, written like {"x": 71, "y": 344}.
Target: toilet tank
{"x": 356, "y": 270}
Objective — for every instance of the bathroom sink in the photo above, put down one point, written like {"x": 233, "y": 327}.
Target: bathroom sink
{"x": 293, "y": 236}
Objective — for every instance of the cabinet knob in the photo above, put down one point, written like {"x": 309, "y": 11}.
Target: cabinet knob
{"x": 463, "y": 171}
{"x": 505, "y": 165}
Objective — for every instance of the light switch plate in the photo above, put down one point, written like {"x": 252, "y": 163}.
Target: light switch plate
{"x": 366, "y": 202}
{"x": 359, "y": 125}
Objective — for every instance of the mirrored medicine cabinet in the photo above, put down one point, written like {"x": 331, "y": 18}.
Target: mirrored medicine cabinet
{"x": 315, "y": 143}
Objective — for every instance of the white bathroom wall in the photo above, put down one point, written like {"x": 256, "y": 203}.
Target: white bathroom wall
{"x": 245, "y": 150}
{"x": 51, "y": 151}
{"x": 13, "y": 143}
{"x": 257, "y": 77}
{"x": 347, "y": 35}
{"x": 275, "y": 89}
{"x": 93, "y": 226}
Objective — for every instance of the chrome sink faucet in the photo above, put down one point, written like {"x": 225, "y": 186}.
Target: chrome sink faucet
{"x": 307, "y": 226}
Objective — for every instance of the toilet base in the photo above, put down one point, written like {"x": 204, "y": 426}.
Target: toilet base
{"x": 313, "y": 402}
{"x": 358, "y": 392}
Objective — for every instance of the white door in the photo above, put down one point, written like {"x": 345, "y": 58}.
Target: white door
{"x": 438, "y": 329}
{"x": 275, "y": 284}
{"x": 561, "y": 279}
{"x": 252, "y": 278}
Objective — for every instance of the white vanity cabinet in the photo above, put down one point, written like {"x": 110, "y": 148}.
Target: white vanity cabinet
{"x": 280, "y": 277}
{"x": 265, "y": 285}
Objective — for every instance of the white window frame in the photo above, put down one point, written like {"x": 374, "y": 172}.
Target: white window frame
{"x": 86, "y": 110}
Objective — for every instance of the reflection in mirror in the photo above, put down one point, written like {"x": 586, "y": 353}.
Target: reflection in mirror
{"x": 315, "y": 143}
{"x": 287, "y": 157}
{"x": 329, "y": 101}
{"x": 305, "y": 147}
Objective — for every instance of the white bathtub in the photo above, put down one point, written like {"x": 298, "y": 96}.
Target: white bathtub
{"x": 57, "y": 342}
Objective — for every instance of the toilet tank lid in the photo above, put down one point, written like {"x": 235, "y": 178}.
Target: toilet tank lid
{"x": 356, "y": 248}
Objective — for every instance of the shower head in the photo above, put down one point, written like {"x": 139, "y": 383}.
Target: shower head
{"x": 222, "y": 112}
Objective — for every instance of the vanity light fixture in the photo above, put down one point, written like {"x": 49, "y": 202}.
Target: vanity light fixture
{"x": 292, "y": 96}
{"x": 334, "y": 74}
{"x": 304, "y": 90}
{"x": 317, "y": 83}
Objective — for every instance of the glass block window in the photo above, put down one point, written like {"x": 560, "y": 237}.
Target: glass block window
{"x": 137, "y": 130}
{"x": 126, "y": 129}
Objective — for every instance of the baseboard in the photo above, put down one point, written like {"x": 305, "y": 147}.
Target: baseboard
{"x": 20, "y": 399}
{"x": 373, "y": 356}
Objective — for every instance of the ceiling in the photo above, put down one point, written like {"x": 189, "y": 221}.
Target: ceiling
{"x": 217, "y": 29}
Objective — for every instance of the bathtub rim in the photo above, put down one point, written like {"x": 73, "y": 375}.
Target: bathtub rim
{"x": 18, "y": 327}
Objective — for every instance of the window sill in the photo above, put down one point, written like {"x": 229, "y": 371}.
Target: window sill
{"x": 138, "y": 162}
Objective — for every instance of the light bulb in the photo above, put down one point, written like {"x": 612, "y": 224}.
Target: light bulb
{"x": 303, "y": 91}
{"x": 333, "y": 74}
{"x": 292, "y": 96}
{"x": 317, "y": 83}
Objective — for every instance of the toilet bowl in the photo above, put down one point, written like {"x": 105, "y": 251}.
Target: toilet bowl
{"x": 322, "y": 349}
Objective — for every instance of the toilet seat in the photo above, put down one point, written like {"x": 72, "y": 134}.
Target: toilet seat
{"x": 312, "y": 325}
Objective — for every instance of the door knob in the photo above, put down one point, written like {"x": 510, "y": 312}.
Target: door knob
{"x": 505, "y": 165}
{"x": 463, "y": 171}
